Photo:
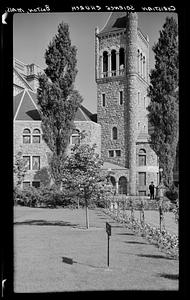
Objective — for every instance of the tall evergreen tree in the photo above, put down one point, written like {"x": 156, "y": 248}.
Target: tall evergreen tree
{"x": 57, "y": 98}
{"x": 163, "y": 93}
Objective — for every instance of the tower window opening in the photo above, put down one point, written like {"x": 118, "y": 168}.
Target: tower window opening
{"x": 105, "y": 64}
{"x": 113, "y": 62}
{"x": 103, "y": 100}
{"x": 121, "y": 97}
{"x": 121, "y": 61}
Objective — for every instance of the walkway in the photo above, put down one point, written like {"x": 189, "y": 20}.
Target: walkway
{"x": 42, "y": 237}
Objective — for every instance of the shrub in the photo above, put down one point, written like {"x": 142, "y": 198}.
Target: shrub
{"x": 172, "y": 193}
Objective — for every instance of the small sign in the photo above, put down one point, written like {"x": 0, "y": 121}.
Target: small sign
{"x": 108, "y": 228}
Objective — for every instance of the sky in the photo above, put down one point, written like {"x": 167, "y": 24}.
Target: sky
{"x": 33, "y": 32}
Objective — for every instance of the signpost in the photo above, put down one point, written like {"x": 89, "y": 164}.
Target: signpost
{"x": 108, "y": 230}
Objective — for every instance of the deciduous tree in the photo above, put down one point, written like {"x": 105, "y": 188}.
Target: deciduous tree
{"x": 82, "y": 172}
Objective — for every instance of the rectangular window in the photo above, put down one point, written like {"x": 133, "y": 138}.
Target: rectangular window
{"x": 36, "y": 139}
{"x": 36, "y": 184}
{"x": 26, "y": 139}
{"x": 26, "y": 184}
{"x": 111, "y": 153}
{"x": 103, "y": 100}
{"x": 121, "y": 97}
{"x": 27, "y": 162}
{"x": 35, "y": 162}
{"x": 142, "y": 178}
{"x": 142, "y": 160}
{"x": 118, "y": 153}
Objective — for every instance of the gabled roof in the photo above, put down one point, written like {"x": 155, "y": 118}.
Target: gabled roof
{"x": 16, "y": 102}
{"x": 21, "y": 77}
{"x": 26, "y": 109}
{"x": 83, "y": 114}
{"x": 116, "y": 21}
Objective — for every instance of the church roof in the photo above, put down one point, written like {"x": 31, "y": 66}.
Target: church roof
{"x": 83, "y": 114}
{"x": 21, "y": 77}
{"x": 25, "y": 107}
{"x": 116, "y": 21}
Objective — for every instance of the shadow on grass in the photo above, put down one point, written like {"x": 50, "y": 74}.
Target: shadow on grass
{"x": 169, "y": 276}
{"x": 154, "y": 256}
{"x": 125, "y": 233}
{"x": 46, "y": 223}
{"x": 136, "y": 242}
{"x": 70, "y": 261}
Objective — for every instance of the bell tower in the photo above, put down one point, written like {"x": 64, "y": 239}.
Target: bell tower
{"x": 121, "y": 72}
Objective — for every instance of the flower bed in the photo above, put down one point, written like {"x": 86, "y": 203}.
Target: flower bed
{"x": 166, "y": 242}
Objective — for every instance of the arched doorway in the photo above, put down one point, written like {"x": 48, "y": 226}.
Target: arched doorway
{"x": 122, "y": 185}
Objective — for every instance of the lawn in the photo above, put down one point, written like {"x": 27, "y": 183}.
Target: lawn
{"x": 42, "y": 237}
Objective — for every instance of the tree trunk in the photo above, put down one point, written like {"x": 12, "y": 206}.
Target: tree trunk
{"x": 87, "y": 217}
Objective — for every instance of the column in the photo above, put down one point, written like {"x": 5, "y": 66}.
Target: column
{"x": 109, "y": 64}
{"x": 97, "y": 70}
{"x": 101, "y": 66}
{"x": 131, "y": 67}
{"x": 117, "y": 64}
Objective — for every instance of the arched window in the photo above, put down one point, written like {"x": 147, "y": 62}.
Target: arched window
{"x": 141, "y": 62}
{"x": 36, "y": 135}
{"x": 138, "y": 61}
{"x": 142, "y": 157}
{"x": 105, "y": 63}
{"x": 114, "y": 133}
{"x": 122, "y": 184}
{"x": 144, "y": 69}
{"x": 75, "y": 138}
{"x": 26, "y": 136}
{"x": 113, "y": 62}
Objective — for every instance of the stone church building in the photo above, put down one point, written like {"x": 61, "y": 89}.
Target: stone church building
{"x": 120, "y": 128}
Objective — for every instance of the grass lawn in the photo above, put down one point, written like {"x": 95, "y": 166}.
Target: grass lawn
{"x": 42, "y": 237}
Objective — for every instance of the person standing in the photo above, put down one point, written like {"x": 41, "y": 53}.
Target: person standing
{"x": 151, "y": 189}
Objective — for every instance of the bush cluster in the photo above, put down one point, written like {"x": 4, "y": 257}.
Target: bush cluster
{"x": 52, "y": 197}
{"x": 41, "y": 197}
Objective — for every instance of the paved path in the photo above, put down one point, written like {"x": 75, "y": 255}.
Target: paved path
{"x": 43, "y": 236}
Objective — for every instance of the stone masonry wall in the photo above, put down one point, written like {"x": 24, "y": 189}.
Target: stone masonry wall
{"x": 32, "y": 149}
{"x": 92, "y": 133}
{"x": 112, "y": 115}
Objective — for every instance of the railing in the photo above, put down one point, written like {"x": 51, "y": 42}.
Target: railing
{"x": 113, "y": 73}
